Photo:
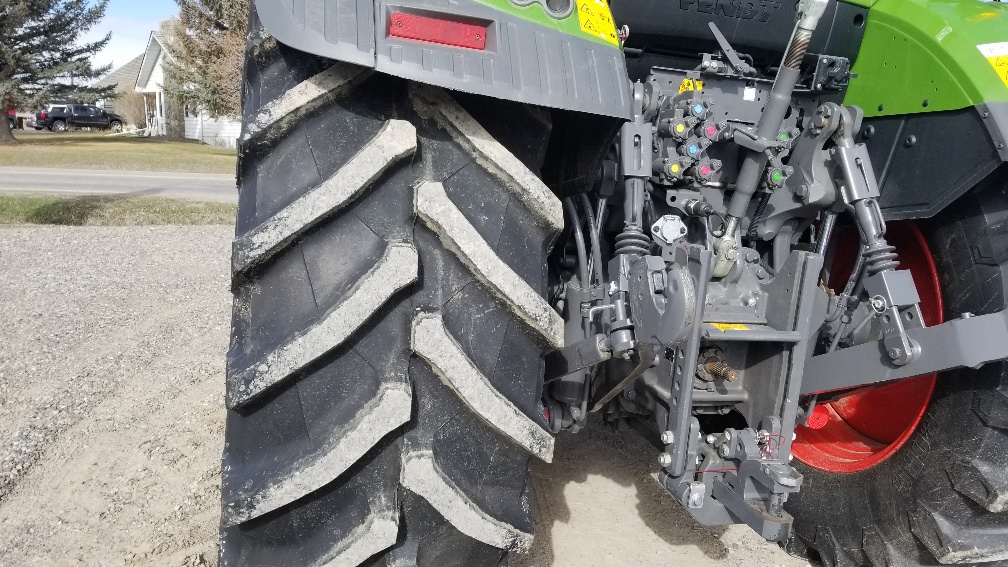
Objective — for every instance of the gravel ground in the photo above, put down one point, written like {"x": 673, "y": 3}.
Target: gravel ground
{"x": 111, "y": 420}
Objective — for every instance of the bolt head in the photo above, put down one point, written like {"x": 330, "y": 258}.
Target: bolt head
{"x": 710, "y": 439}
{"x": 895, "y": 353}
{"x": 752, "y": 302}
{"x": 696, "y": 500}
{"x": 724, "y": 450}
{"x": 667, "y": 437}
{"x": 665, "y": 459}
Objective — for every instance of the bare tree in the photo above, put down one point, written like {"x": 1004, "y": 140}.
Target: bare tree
{"x": 207, "y": 43}
{"x": 131, "y": 106}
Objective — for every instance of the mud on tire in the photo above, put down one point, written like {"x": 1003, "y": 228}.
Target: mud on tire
{"x": 384, "y": 375}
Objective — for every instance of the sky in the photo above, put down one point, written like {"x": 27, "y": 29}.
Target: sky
{"x": 131, "y": 22}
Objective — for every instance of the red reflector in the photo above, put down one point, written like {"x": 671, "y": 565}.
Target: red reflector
{"x": 820, "y": 415}
{"x": 435, "y": 30}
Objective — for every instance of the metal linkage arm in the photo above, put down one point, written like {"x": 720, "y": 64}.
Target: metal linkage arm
{"x": 967, "y": 342}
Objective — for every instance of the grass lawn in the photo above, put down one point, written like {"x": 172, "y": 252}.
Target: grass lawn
{"x": 84, "y": 150}
{"x": 110, "y": 211}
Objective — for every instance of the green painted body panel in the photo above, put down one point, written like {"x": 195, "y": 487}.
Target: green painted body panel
{"x": 921, "y": 56}
{"x": 537, "y": 14}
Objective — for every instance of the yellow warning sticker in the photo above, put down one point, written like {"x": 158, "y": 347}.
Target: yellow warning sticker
{"x": 997, "y": 55}
{"x": 690, "y": 85}
{"x": 723, "y": 327}
{"x": 596, "y": 19}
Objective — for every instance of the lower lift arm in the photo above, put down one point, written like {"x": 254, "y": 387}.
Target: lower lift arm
{"x": 967, "y": 342}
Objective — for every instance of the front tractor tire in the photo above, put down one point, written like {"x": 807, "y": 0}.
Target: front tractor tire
{"x": 389, "y": 275}
{"x": 939, "y": 495}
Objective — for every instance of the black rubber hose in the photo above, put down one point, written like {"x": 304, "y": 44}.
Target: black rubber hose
{"x": 603, "y": 204}
{"x": 596, "y": 272}
{"x": 579, "y": 241}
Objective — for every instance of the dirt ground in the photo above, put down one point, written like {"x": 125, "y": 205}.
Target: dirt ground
{"x": 111, "y": 420}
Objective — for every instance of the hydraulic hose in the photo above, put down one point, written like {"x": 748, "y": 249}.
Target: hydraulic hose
{"x": 595, "y": 268}
{"x": 581, "y": 250}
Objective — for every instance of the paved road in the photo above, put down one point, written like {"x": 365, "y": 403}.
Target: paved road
{"x": 198, "y": 186}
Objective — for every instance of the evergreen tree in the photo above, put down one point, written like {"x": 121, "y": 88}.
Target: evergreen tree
{"x": 41, "y": 57}
{"x": 207, "y": 45}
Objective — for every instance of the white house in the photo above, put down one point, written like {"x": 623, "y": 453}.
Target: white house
{"x": 198, "y": 123}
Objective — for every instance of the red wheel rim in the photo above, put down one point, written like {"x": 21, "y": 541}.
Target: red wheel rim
{"x": 865, "y": 427}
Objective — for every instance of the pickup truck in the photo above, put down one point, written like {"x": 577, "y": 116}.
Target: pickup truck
{"x": 62, "y": 117}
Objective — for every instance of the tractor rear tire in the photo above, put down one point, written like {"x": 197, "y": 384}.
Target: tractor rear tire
{"x": 389, "y": 273}
{"x": 941, "y": 498}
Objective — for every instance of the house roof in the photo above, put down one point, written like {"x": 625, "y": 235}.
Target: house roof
{"x": 155, "y": 47}
{"x": 125, "y": 76}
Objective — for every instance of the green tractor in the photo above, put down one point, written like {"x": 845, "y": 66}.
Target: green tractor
{"x": 770, "y": 237}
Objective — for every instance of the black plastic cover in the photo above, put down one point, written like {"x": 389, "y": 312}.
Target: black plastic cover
{"x": 926, "y": 161}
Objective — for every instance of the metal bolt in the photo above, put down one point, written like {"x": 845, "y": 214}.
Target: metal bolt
{"x": 664, "y": 459}
{"x": 724, "y": 450}
{"x": 895, "y": 353}
{"x": 752, "y": 302}
{"x": 667, "y": 437}
{"x": 878, "y": 304}
{"x": 966, "y": 315}
{"x": 613, "y": 288}
{"x": 576, "y": 413}
{"x": 696, "y": 500}
{"x": 711, "y": 438}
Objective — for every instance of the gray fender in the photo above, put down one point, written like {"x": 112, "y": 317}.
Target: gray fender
{"x": 523, "y": 61}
